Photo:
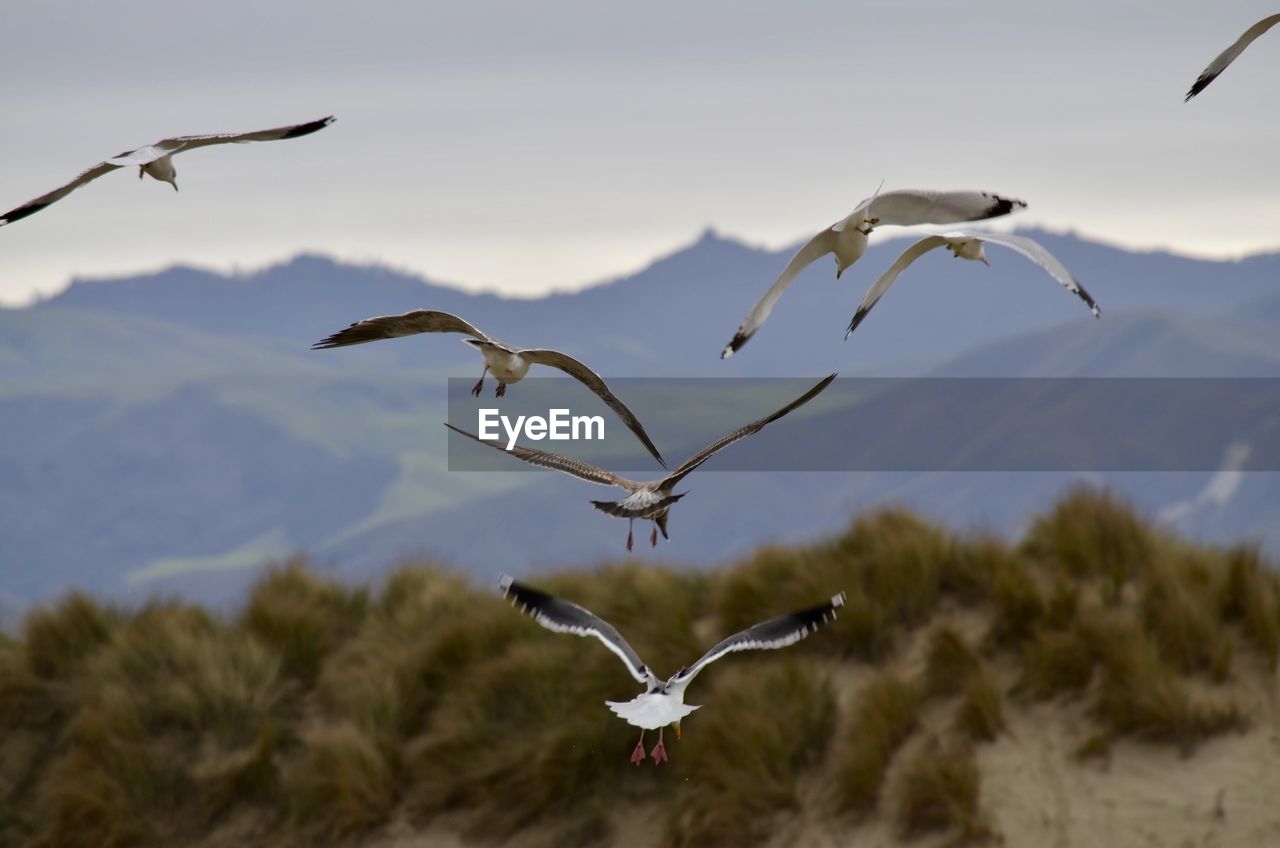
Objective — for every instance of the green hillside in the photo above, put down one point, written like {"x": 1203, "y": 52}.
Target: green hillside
{"x": 424, "y": 711}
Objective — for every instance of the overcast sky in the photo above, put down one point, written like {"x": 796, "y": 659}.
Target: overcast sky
{"x": 522, "y": 147}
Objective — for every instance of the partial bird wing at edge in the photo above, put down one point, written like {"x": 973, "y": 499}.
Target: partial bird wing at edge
{"x": 1226, "y": 57}
{"x": 907, "y": 207}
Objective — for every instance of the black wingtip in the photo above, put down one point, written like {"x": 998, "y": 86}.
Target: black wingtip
{"x": 1198, "y": 86}
{"x": 1004, "y": 205}
{"x": 857, "y": 319}
{"x": 22, "y": 212}
{"x": 738, "y": 340}
{"x": 309, "y": 127}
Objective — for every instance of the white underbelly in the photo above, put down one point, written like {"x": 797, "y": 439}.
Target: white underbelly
{"x": 651, "y": 710}
{"x": 506, "y": 367}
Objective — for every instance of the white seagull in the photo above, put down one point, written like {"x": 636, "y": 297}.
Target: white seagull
{"x": 157, "y": 161}
{"x": 847, "y": 238}
{"x": 649, "y": 500}
{"x": 967, "y": 244}
{"x": 508, "y": 364}
{"x": 662, "y": 703}
{"x": 1226, "y": 57}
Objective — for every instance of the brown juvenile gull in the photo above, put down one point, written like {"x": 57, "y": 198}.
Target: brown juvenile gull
{"x": 509, "y": 364}
{"x": 662, "y": 702}
{"x": 847, "y": 238}
{"x": 156, "y": 160}
{"x": 649, "y": 500}
{"x": 967, "y": 244}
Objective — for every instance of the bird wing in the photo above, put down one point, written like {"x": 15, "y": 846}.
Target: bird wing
{"x": 562, "y": 616}
{"x": 394, "y": 326}
{"x": 33, "y": 206}
{"x": 554, "y": 461}
{"x": 767, "y": 636}
{"x": 880, "y": 286}
{"x": 723, "y": 442}
{"x": 1036, "y": 253}
{"x": 177, "y": 144}
{"x": 595, "y": 383}
{"x": 1226, "y": 57}
{"x": 906, "y": 207}
{"x": 817, "y": 247}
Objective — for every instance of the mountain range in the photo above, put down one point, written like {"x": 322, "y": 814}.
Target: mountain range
{"x": 171, "y": 432}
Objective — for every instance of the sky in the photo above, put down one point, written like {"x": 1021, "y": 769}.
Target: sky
{"x": 524, "y": 148}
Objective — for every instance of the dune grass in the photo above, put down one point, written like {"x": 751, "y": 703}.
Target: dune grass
{"x": 885, "y": 714}
{"x": 322, "y": 712}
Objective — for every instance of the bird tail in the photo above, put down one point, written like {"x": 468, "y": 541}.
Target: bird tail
{"x": 622, "y": 509}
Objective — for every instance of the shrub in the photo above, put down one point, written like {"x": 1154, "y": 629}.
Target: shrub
{"x": 56, "y": 641}
{"x": 884, "y": 714}
{"x": 1091, "y": 533}
{"x": 741, "y": 762}
{"x": 938, "y": 789}
{"x": 341, "y": 783}
{"x": 1251, "y": 596}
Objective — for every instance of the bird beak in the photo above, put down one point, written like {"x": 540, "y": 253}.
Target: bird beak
{"x": 984, "y": 261}
{"x": 174, "y": 183}
{"x": 677, "y": 731}
{"x": 839, "y": 271}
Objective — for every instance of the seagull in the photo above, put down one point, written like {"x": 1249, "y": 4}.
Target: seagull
{"x": 508, "y": 364}
{"x": 1226, "y": 57}
{"x": 967, "y": 244}
{"x": 157, "y": 160}
{"x": 847, "y": 238}
{"x": 662, "y": 703}
{"x": 650, "y": 500}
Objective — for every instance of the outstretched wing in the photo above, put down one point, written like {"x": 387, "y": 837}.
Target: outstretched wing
{"x": 1036, "y": 253}
{"x": 906, "y": 207}
{"x": 31, "y": 207}
{"x": 769, "y": 635}
{"x": 394, "y": 326}
{"x": 595, "y": 383}
{"x": 554, "y": 461}
{"x": 177, "y": 144}
{"x": 565, "y": 617}
{"x": 754, "y": 427}
{"x": 817, "y": 247}
{"x": 880, "y": 286}
{"x": 1226, "y": 57}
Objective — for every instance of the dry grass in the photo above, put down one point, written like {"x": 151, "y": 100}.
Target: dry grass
{"x": 939, "y": 789}
{"x": 949, "y": 662}
{"x": 980, "y": 716}
{"x": 1251, "y": 596}
{"x": 56, "y": 641}
{"x": 340, "y": 784}
{"x": 302, "y": 617}
{"x": 884, "y": 715}
{"x": 1092, "y": 534}
{"x": 742, "y": 760}
{"x": 1180, "y": 609}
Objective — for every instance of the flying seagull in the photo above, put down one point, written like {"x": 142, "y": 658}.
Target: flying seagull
{"x": 967, "y": 244}
{"x": 650, "y": 500}
{"x": 662, "y": 703}
{"x": 157, "y": 160}
{"x": 1226, "y": 57}
{"x": 508, "y": 364}
{"x": 847, "y": 238}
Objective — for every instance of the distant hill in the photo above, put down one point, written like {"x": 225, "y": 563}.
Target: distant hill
{"x": 171, "y": 432}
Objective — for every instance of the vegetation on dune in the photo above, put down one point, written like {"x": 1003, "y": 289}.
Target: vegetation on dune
{"x": 322, "y": 713}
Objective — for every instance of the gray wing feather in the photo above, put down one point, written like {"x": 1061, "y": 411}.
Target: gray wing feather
{"x": 1036, "y": 252}
{"x": 815, "y": 248}
{"x": 35, "y": 205}
{"x": 593, "y": 381}
{"x": 1226, "y": 57}
{"x": 553, "y": 461}
{"x": 395, "y": 326}
{"x": 741, "y": 433}
{"x": 881, "y": 285}
{"x": 561, "y": 616}
{"x": 775, "y": 633}
{"x": 905, "y": 207}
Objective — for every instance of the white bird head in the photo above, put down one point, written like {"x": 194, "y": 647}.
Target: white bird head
{"x": 969, "y": 249}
